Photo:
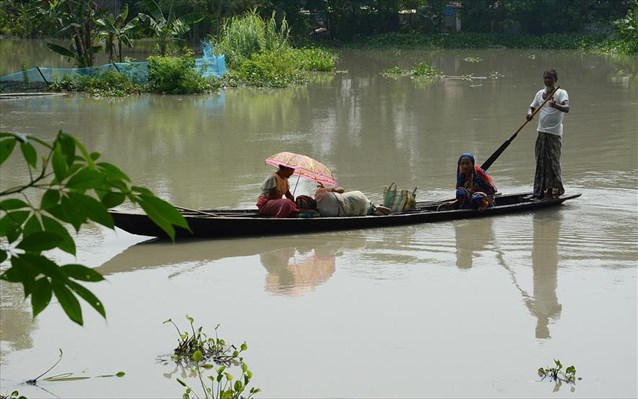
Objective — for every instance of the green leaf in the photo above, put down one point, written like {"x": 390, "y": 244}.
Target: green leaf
{"x": 60, "y": 167}
{"x": 197, "y": 356}
{"x": 41, "y": 295}
{"x": 88, "y": 296}
{"x": 66, "y": 143}
{"x": 120, "y": 374}
{"x": 66, "y": 213}
{"x": 11, "y": 224}
{"x": 67, "y": 243}
{"x": 40, "y": 264}
{"x": 69, "y": 302}
{"x": 40, "y": 241}
{"x": 3, "y": 255}
{"x": 61, "y": 50}
{"x": 29, "y": 153}
{"x": 13, "y": 203}
{"x": 113, "y": 199}
{"x": 81, "y": 272}
{"x": 92, "y": 208}
{"x": 113, "y": 171}
{"x": 85, "y": 179}
{"x": 6, "y": 148}
{"x": 50, "y": 198}
{"x": 162, "y": 213}
{"x": 31, "y": 226}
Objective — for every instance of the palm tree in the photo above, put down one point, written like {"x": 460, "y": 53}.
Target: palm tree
{"x": 167, "y": 27}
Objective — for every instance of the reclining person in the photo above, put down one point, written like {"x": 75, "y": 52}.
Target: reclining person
{"x": 338, "y": 202}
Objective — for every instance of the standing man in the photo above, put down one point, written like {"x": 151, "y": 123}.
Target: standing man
{"x": 547, "y": 180}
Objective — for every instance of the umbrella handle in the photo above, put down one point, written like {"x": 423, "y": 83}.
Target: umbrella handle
{"x": 295, "y": 189}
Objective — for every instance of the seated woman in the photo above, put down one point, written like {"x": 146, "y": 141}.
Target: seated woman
{"x": 339, "y": 202}
{"x": 270, "y": 202}
{"x": 474, "y": 187}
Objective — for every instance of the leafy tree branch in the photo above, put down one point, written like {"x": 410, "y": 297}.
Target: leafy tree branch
{"x": 71, "y": 187}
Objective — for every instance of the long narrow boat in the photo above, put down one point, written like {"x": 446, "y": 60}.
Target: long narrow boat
{"x": 225, "y": 223}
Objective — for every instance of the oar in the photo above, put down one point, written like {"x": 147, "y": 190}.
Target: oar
{"x": 503, "y": 146}
{"x": 181, "y": 208}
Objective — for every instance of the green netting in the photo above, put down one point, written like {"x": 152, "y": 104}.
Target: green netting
{"x": 39, "y": 77}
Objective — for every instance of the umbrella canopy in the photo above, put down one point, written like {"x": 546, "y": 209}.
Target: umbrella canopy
{"x": 303, "y": 166}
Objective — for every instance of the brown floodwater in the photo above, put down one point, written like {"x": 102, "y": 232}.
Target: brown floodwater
{"x": 470, "y": 308}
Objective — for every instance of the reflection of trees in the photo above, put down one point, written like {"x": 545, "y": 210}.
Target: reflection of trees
{"x": 15, "y": 320}
{"x": 294, "y": 271}
{"x": 471, "y": 239}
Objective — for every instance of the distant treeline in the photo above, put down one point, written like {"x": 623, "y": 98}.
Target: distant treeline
{"x": 346, "y": 20}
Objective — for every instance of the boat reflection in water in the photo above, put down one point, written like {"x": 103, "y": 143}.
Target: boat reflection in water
{"x": 295, "y": 264}
{"x": 298, "y": 270}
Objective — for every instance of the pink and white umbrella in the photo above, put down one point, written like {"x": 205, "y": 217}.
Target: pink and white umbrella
{"x": 304, "y": 166}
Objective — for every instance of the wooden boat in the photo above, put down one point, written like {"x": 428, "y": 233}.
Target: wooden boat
{"x": 225, "y": 223}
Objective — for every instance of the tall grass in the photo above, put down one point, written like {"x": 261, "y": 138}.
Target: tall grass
{"x": 243, "y": 36}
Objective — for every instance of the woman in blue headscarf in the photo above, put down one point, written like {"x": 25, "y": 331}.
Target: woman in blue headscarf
{"x": 474, "y": 187}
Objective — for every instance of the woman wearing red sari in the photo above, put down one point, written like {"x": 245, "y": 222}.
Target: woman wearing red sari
{"x": 270, "y": 201}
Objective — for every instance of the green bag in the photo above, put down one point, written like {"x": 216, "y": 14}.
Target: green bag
{"x": 399, "y": 200}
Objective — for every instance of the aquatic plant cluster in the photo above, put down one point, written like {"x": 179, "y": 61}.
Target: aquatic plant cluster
{"x": 194, "y": 351}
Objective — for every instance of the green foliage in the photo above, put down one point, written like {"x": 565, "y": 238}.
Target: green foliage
{"x": 66, "y": 376}
{"x": 77, "y": 18}
{"x": 422, "y": 71}
{"x": 67, "y": 83}
{"x": 166, "y": 28}
{"x": 25, "y": 19}
{"x": 115, "y": 31}
{"x": 313, "y": 59}
{"x": 200, "y": 353}
{"x": 268, "y": 69}
{"x": 557, "y": 375}
{"x": 243, "y": 36}
{"x": 108, "y": 84}
{"x": 177, "y": 75}
{"x": 68, "y": 187}
{"x": 569, "y": 41}
{"x": 16, "y": 395}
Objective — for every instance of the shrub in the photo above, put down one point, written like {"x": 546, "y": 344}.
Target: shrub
{"x": 268, "y": 69}
{"x": 175, "y": 75}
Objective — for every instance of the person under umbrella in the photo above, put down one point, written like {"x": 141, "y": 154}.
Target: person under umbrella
{"x": 275, "y": 199}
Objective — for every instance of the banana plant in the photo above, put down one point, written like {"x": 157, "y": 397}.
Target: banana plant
{"x": 76, "y": 17}
{"x": 115, "y": 32}
{"x": 169, "y": 27}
